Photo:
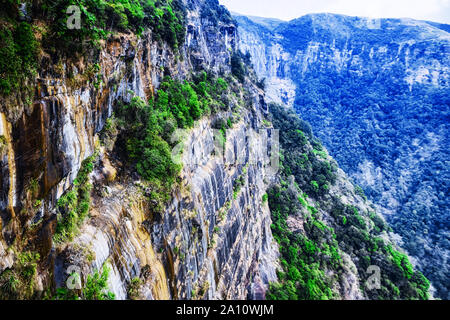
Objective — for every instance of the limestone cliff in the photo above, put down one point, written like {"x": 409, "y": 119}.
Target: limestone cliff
{"x": 189, "y": 248}
{"x": 82, "y": 216}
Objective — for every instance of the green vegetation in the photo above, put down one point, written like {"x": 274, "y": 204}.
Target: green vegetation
{"x": 188, "y": 101}
{"x": 18, "y": 55}
{"x": 203, "y": 289}
{"x": 360, "y": 192}
{"x": 398, "y": 113}
{"x": 147, "y": 129}
{"x": 143, "y": 128}
{"x": 3, "y": 144}
{"x": 95, "y": 288}
{"x": 216, "y": 13}
{"x": 401, "y": 261}
{"x": 239, "y": 65}
{"x": 237, "y": 185}
{"x": 399, "y": 280}
{"x": 99, "y": 18}
{"x": 73, "y": 207}
{"x": 304, "y": 258}
{"x": 182, "y": 101}
{"x": 222, "y": 125}
{"x": 311, "y": 259}
{"x": 320, "y": 153}
{"x": 224, "y": 211}
{"x": 17, "y": 283}
{"x": 315, "y": 173}
{"x": 166, "y": 18}
{"x": 133, "y": 288}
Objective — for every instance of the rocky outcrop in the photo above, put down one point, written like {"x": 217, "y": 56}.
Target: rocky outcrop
{"x": 212, "y": 240}
{"x": 269, "y": 58}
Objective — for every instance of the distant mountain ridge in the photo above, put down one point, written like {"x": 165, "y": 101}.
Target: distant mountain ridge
{"x": 270, "y": 23}
{"x": 273, "y": 23}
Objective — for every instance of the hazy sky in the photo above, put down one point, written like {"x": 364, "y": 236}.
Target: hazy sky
{"x": 434, "y": 10}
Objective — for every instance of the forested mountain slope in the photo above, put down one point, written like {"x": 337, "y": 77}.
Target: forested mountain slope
{"x": 377, "y": 94}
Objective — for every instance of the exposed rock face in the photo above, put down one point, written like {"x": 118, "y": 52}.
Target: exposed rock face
{"x": 43, "y": 148}
{"x": 53, "y": 138}
{"x": 46, "y": 146}
{"x": 205, "y": 239}
{"x": 270, "y": 60}
{"x": 379, "y": 131}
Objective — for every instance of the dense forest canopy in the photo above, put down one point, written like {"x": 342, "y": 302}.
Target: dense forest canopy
{"x": 376, "y": 119}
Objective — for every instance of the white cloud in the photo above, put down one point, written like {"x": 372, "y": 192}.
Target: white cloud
{"x": 434, "y": 10}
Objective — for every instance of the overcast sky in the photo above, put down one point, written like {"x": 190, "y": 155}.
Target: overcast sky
{"x": 433, "y": 10}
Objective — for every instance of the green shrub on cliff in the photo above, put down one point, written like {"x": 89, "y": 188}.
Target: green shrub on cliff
{"x": 215, "y": 13}
{"x": 147, "y": 128}
{"x": 17, "y": 283}
{"x": 74, "y": 206}
{"x": 95, "y": 288}
{"x": 401, "y": 261}
{"x": 143, "y": 126}
{"x": 166, "y": 18}
{"x": 237, "y": 66}
{"x": 18, "y": 55}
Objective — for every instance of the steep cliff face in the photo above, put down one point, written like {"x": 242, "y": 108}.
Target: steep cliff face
{"x": 207, "y": 243}
{"x": 282, "y": 53}
{"x": 71, "y": 107}
{"x": 212, "y": 241}
{"x": 376, "y": 94}
{"x": 86, "y": 211}
{"x": 269, "y": 58}
{"x": 208, "y": 240}
{"x": 47, "y": 145}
